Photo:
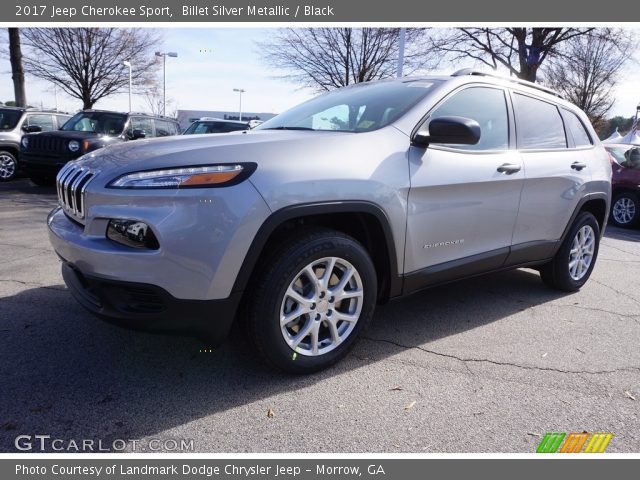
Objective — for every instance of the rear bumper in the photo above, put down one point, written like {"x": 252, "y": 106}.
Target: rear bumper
{"x": 146, "y": 307}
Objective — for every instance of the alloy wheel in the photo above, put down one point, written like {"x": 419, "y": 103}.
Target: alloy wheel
{"x": 321, "y": 306}
{"x": 7, "y": 167}
{"x": 581, "y": 253}
{"x": 624, "y": 210}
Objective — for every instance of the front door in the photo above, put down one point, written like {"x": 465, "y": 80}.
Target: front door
{"x": 464, "y": 199}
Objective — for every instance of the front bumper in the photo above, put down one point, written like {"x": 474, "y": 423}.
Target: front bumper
{"x": 147, "y": 307}
{"x": 43, "y": 165}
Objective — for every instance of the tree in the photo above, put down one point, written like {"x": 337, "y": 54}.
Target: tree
{"x": 327, "y": 58}
{"x": 87, "y": 62}
{"x": 588, "y": 69}
{"x": 17, "y": 72}
{"x": 521, "y": 50}
{"x": 154, "y": 100}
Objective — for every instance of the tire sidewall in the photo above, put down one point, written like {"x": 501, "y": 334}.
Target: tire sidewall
{"x": 634, "y": 198}
{"x": 274, "y": 345}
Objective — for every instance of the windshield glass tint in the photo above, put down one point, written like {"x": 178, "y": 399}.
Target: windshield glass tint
{"x": 9, "y": 118}
{"x": 96, "y": 122}
{"x": 360, "y": 108}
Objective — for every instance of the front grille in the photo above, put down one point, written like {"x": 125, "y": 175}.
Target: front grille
{"x": 48, "y": 144}
{"x": 71, "y": 184}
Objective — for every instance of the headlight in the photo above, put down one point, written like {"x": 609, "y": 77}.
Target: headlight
{"x": 186, "y": 177}
{"x": 74, "y": 146}
{"x": 25, "y": 142}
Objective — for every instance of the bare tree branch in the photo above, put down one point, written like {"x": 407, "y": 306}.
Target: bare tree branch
{"x": 587, "y": 70}
{"x": 87, "y": 63}
{"x": 327, "y": 58}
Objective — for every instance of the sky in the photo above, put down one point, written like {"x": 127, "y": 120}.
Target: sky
{"x": 212, "y": 62}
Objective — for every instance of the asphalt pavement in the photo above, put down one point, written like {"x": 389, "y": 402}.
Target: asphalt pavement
{"x": 484, "y": 365}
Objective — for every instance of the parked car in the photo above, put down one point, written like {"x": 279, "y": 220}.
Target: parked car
{"x": 43, "y": 155}
{"x": 215, "y": 125}
{"x": 625, "y": 184}
{"x": 359, "y": 196}
{"x": 14, "y": 122}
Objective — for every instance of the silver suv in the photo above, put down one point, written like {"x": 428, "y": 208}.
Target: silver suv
{"x": 14, "y": 122}
{"x": 356, "y": 197}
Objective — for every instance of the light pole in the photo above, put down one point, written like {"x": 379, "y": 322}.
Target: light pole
{"x": 164, "y": 56}
{"x": 401, "y": 42}
{"x": 240, "y": 91}
{"x": 127, "y": 63}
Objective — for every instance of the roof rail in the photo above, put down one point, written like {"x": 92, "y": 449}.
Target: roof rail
{"x": 519, "y": 81}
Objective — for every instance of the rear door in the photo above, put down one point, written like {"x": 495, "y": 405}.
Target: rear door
{"x": 557, "y": 171}
{"x": 463, "y": 200}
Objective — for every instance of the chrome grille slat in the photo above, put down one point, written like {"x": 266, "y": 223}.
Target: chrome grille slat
{"x": 71, "y": 184}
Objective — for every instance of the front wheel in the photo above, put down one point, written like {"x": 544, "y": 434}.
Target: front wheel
{"x": 312, "y": 300}
{"x": 8, "y": 166}
{"x": 572, "y": 265}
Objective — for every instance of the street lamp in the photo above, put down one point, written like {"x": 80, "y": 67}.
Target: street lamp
{"x": 240, "y": 91}
{"x": 164, "y": 56}
{"x": 127, "y": 63}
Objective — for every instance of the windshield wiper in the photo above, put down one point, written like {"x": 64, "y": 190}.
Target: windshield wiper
{"x": 289, "y": 128}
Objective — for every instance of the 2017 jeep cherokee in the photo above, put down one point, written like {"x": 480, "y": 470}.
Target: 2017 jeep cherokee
{"x": 356, "y": 197}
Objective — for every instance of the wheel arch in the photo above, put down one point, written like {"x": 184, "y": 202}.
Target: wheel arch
{"x": 597, "y": 204}
{"x": 12, "y": 149}
{"x": 365, "y": 221}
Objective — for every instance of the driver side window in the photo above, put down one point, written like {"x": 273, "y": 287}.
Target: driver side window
{"x": 488, "y": 107}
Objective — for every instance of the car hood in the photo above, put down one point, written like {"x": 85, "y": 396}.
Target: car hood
{"x": 188, "y": 150}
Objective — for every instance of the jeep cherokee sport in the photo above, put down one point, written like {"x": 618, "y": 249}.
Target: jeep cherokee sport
{"x": 355, "y": 197}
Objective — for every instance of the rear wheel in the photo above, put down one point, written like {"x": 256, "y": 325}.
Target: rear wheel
{"x": 8, "y": 166}
{"x": 572, "y": 265}
{"x": 312, "y": 300}
{"x": 625, "y": 210}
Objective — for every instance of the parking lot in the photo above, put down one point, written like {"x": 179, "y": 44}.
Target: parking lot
{"x": 485, "y": 365}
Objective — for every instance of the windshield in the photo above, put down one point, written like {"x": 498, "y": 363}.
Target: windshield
{"x": 9, "y": 118}
{"x": 360, "y": 108}
{"x": 618, "y": 152}
{"x": 106, "y": 123}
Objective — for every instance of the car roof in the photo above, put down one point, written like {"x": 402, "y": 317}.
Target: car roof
{"x": 214, "y": 119}
{"x": 142, "y": 114}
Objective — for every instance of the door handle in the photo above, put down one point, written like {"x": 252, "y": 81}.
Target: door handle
{"x": 578, "y": 165}
{"x": 509, "y": 168}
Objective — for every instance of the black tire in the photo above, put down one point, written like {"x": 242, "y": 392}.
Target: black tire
{"x": 8, "y": 166}
{"x": 625, "y": 201}
{"x": 555, "y": 274}
{"x": 42, "y": 181}
{"x": 268, "y": 296}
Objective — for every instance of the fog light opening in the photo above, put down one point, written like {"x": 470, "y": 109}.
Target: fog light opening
{"x": 132, "y": 233}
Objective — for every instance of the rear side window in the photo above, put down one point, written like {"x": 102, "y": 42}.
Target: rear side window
{"x": 234, "y": 127}
{"x": 579, "y": 133}
{"x": 165, "y": 128}
{"x": 488, "y": 107}
{"x": 144, "y": 124}
{"x": 43, "y": 121}
{"x": 539, "y": 124}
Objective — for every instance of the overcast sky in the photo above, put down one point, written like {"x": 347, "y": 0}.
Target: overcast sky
{"x": 213, "y": 61}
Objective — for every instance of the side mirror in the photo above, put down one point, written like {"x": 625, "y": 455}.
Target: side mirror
{"x": 137, "y": 133}
{"x": 32, "y": 129}
{"x": 449, "y": 131}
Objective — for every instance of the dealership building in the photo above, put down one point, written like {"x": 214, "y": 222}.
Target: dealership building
{"x": 187, "y": 117}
